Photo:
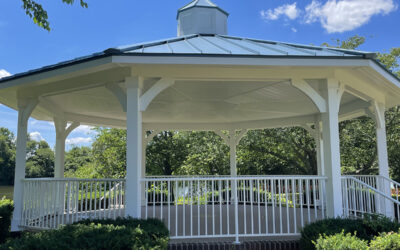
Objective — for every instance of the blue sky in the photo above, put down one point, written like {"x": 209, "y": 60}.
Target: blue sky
{"x": 77, "y": 32}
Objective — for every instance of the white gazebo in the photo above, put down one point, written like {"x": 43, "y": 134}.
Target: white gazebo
{"x": 204, "y": 79}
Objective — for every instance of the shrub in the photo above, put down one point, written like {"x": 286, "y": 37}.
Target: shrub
{"x": 97, "y": 234}
{"x": 340, "y": 241}
{"x": 6, "y": 209}
{"x": 365, "y": 228}
{"x": 386, "y": 241}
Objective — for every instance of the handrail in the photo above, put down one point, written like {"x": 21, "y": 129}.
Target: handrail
{"x": 265, "y": 177}
{"x": 116, "y": 185}
{"x": 372, "y": 188}
{"x": 69, "y": 179}
{"x": 388, "y": 179}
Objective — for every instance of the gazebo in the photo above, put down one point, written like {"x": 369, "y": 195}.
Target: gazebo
{"x": 204, "y": 79}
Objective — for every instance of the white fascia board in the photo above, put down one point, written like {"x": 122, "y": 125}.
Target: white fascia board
{"x": 61, "y": 70}
{"x": 374, "y": 65}
{"x": 232, "y": 60}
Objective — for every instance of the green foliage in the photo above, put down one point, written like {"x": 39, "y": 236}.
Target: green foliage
{"x": 207, "y": 154}
{"x": 77, "y": 157}
{"x": 38, "y": 14}
{"x": 7, "y": 156}
{"x": 97, "y": 234}
{"x": 267, "y": 151}
{"x": 6, "y": 209}
{"x": 391, "y": 60}
{"x": 40, "y": 161}
{"x": 109, "y": 152}
{"x": 386, "y": 241}
{"x": 340, "y": 242}
{"x": 166, "y": 153}
{"x": 358, "y": 146}
{"x": 365, "y": 228}
{"x": 350, "y": 43}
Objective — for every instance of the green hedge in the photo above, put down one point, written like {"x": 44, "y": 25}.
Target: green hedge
{"x": 6, "y": 209}
{"x": 340, "y": 242}
{"x": 385, "y": 241}
{"x": 97, "y": 234}
{"x": 365, "y": 229}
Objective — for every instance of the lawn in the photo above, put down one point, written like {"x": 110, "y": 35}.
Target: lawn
{"x": 6, "y": 191}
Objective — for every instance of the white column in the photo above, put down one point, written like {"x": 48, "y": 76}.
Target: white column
{"x": 143, "y": 171}
{"x": 133, "y": 189}
{"x": 383, "y": 163}
{"x": 381, "y": 142}
{"x": 331, "y": 148}
{"x": 25, "y": 108}
{"x": 319, "y": 149}
{"x": 62, "y": 132}
{"x": 232, "y": 152}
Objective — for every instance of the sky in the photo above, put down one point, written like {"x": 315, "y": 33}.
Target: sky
{"x": 76, "y": 32}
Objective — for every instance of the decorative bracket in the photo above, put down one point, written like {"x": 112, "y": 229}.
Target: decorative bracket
{"x": 119, "y": 93}
{"x": 156, "y": 89}
{"x": 315, "y": 97}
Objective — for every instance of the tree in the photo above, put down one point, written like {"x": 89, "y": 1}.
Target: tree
{"x": 350, "y": 43}
{"x": 207, "y": 154}
{"x": 77, "y": 157}
{"x": 39, "y": 15}
{"x": 40, "y": 160}
{"x": 109, "y": 152}
{"x": 166, "y": 153}
{"x": 277, "y": 151}
{"x": 7, "y": 157}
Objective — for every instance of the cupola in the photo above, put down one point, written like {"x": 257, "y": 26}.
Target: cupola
{"x": 202, "y": 17}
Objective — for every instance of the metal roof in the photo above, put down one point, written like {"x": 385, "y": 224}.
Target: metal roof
{"x": 228, "y": 45}
{"x": 213, "y": 45}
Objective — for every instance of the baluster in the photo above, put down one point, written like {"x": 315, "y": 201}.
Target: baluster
{"x": 266, "y": 191}
{"x": 176, "y": 207}
{"x": 294, "y": 205}
{"x": 169, "y": 204}
{"x": 301, "y": 202}
{"x": 258, "y": 204}
{"x": 287, "y": 205}
{"x": 315, "y": 199}
{"x": 212, "y": 204}
{"x": 308, "y": 200}
{"x": 183, "y": 208}
{"x": 220, "y": 205}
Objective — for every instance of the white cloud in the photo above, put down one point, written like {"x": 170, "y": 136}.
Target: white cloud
{"x": 346, "y": 15}
{"x": 78, "y": 140}
{"x": 36, "y": 136}
{"x": 294, "y": 30}
{"x": 84, "y": 129}
{"x": 289, "y": 10}
{"x": 4, "y": 73}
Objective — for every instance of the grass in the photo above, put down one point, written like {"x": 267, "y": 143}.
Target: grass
{"x": 6, "y": 191}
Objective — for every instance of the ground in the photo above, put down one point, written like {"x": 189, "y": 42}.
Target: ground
{"x": 6, "y": 191}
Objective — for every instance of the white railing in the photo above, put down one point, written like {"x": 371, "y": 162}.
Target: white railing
{"x": 363, "y": 195}
{"x": 50, "y": 202}
{"x": 221, "y": 206}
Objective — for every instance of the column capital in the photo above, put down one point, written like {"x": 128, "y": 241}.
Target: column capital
{"x": 332, "y": 83}
{"x": 134, "y": 82}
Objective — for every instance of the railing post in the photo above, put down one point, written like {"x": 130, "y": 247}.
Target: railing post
{"x": 235, "y": 200}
